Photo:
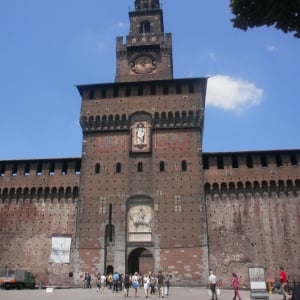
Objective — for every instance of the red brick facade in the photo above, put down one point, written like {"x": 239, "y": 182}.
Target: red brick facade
{"x": 143, "y": 197}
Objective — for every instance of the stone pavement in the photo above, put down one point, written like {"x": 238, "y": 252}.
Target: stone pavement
{"x": 183, "y": 293}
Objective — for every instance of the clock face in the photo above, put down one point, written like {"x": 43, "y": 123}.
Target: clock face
{"x": 143, "y": 64}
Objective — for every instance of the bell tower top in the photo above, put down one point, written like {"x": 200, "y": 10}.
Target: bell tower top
{"x": 146, "y": 4}
{"x": 147, "y": 53}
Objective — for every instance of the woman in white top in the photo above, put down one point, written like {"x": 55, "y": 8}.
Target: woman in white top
{"x": 146, "y": 281}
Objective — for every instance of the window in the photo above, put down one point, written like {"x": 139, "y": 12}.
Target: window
{"x": 145, "y": 27}
{"x": 183, "y": 166}
{"x": 97, "y": 168}
{"x": 264, "y": 162}
{"x": 249, "y": 161}
{"x": 294, "y": 161}
{"x": 235, "y": 162}
{"x": 140, "y": 167}
{"x": 162, "y": 166}
{"x": 205, "y": 163}
{"x": 279, "y": 160}
{"x": 220, "y": 162}
{"x": 118, "y": 167}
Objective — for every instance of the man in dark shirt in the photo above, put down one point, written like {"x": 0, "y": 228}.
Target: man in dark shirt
{"x": 160, "y": 284}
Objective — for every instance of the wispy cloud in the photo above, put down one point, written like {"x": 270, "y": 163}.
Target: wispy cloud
{"x": 212, "y": 55}
{"x": 233, "y": 94}
{"x": 272, "y": 48}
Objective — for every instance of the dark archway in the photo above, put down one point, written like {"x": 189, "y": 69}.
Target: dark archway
{"x": 140, "y": 260}
{"x": 109, "y": 269}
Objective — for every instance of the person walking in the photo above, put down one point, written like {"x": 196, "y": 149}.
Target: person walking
{"x": 236, "y": 285}
{"x": 284, "y": 281}
{"x": 135, "y": 283}
{"x": 212, "y": 284}
{"x": 146, "y": 282}
{"x": 126, "y": 284}
{"x": 160, "y": 284}
{"x": 103, "y": 283}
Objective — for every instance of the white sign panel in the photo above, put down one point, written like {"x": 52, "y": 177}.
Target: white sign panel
{"x": 60, "y": 252}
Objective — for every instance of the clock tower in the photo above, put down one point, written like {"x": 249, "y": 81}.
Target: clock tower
{"x": 147, "y": 52}
{"x": 141, "y": 204}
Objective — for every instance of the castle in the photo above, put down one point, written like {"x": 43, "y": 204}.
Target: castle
{"x": 143, "y": 196}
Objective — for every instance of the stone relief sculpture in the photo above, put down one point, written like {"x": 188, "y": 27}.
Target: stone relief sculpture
{"x": 139, "y": 223}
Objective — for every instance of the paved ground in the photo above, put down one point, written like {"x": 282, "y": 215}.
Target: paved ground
{"x": 92, "y": 294}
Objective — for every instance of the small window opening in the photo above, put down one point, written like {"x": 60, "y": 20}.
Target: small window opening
{"x": 249, "y": 161}
{"x": 278, "y": 160}
{"x": 220, "y": 162}
{"x": 294, "y": 161}
{"x": 118, "y": 167}
{"x": 205, "y": 163}
{"x": 140, "y": 167}
{"x": 183, "y": 166}
{"x": 97, "y": 168}
{"x": 264, "y": 162}
{"x": 162, "y": 166}
{"x": 235, "y": 162}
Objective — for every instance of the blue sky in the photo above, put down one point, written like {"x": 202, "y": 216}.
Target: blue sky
{"x": 50, "y": 46}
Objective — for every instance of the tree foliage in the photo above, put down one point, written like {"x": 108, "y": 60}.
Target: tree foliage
{"x": 283, "y": 14}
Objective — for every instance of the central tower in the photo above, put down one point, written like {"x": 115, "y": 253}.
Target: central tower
{"x": 141, "y": 205}
{"x": 147, "y": 52}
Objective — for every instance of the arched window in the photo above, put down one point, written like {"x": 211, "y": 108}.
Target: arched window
{"x": 145, "y": 27}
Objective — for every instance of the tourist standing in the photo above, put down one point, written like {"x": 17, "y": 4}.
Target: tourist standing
{"x": 236, "y": 285}
{"x": 212, "y": 284}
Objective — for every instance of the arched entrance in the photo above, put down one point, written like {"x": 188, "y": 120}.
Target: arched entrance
{"x": 140, "y": 260}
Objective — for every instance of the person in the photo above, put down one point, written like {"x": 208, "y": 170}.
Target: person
{"x": 284, "y": 281}
{"x": 276, "y": 286}
{"x": 212, "y": 284}
{"x": 88, "y": 281}
{"x": 160, "y": 284}
{"x": 236, "y": 285}
{"x": 126, "y": 283}
{"x": 110, "y": 281}
{"x": 167, "y": 281}
{"x": 146, "y": 281}
{"x": 98, "y": 282}
{"x": 116, "y": 282}
{"x": 103, "y": 283}
{"x": 135, "y": 283}
{"x": 152, "y": 284}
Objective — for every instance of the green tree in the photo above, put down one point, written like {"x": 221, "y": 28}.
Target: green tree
{"x": 283, "y": 14}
